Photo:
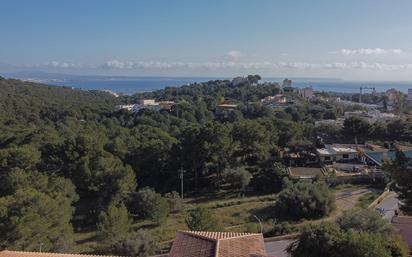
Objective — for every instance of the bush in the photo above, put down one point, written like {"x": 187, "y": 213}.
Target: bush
{"x": 306, "y": 200}
{"x": 317, "y": 241}
{"x": 364, "y": 220}
{"x": 202, "y": 219}
{"x": 175, "y": 202}
{"x": 136, "y": 244}
{"x": 328, "y": 239}
{"x": 397, "y": 247}
{"x": 252, "y": 228}
{"x": 357, "y": 234}
{"x": 238, "y": 178}
{"x": 114, "y": 224}
{"x": 269, "y": 178}
{"x": 282, "y": 228}
{"x": 149, "y": 204}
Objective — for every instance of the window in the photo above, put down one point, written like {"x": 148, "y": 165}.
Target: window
{"x": 345, "y": 156}
{"x": 327, "y": 158}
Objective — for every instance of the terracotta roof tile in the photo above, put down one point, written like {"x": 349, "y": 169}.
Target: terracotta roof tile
{"x": 6, "y": 253}
{"x": 217, "y": 244}
{"x": 218, "y": 235}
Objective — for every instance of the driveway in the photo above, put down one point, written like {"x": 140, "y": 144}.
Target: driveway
{"x": 277, "y": 248}
{"x": 389, "y": 205}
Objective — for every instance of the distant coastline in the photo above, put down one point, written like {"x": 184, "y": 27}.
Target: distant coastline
{"x": 131, "y": 85}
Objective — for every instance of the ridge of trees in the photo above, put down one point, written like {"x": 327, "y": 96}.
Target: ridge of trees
{"x": 68, "y": 150}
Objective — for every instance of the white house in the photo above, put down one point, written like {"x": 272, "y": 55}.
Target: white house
{"x": 128, "y": 107}
{"x": 276, "y": 99}
{"x": 147, "y": 104}
{"x": 333, "y": 153}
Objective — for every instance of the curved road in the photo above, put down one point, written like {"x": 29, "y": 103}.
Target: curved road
{"x": 277, "y": 248}
{"x": 389, "y": 205}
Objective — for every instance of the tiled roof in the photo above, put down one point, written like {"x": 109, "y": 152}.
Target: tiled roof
{"x": 217, "y": 244}
{"x": 6, "y": 253}
{"x": 186, "y": 245}
{"x": 218, "y": 235}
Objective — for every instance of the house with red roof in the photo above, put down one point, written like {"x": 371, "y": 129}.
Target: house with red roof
{"x": 190, "y": 244}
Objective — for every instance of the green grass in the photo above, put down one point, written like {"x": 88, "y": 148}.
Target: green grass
{"x": 367, "y": 199}
{"x": 234, "y": 213}
{"x": 350, "y": 186}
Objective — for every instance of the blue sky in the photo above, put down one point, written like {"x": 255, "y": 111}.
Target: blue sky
{"x": 350, "y": 39}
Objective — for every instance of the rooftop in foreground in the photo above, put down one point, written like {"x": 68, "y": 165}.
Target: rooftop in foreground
{"x": 217, "y": 244}
{"x": 7, "y": 253}
{"x": 189, "y": 244}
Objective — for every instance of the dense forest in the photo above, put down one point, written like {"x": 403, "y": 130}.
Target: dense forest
{"x": 67, "y": 156}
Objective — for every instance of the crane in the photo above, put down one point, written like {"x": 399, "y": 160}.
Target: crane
{"x": 361, "y": 90}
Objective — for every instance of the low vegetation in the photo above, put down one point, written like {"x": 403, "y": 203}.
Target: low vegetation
{"x": 69, "y": 161}
{"x": 358, "y": 234}
{"x": 202, "y": 219}
{"x": 367, "y": 199}
{"x": 306, "y": 200}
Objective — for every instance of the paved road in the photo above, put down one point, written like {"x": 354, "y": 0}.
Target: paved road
{"x": 277, "y": 248}
{"x": 389, "y": 205}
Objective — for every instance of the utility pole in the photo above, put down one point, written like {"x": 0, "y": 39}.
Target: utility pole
{"x": 181, "y": 175}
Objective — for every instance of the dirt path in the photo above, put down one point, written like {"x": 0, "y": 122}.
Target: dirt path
{"x": 347, "y": 199}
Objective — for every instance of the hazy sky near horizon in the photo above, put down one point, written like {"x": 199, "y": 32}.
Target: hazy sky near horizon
{"x": 350, "y": 39}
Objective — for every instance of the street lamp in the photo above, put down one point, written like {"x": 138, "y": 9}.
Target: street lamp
{"x": 260, "y": 223}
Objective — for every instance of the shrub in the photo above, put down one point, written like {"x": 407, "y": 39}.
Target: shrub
{"x": 252, "y": 228}
{"x": 364, "y": 220}
{"x": 279, "y": 229}
{"x": 114, "y": 224}
{"x": 269, "y": 178}
{"x": 317, "y": 241}
{"x": 328, "y": 239}
{"x": 306, "y": 200}
{"x": 175, "y": 202}
{"x": 136, "y": 244}
{"x": 202, "y": 219}
{"x": 149, "y": 204}
{"x": 238, "y": 178}
{"x": 397, "y": 247}
{"x": 359, "y": 238}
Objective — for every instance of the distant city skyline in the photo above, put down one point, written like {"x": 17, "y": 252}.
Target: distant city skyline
{"x": 351, "y": 40}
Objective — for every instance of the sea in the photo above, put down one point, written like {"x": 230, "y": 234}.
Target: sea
{"x": 137, "y": 85}
{"x": 132, "y": 85}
